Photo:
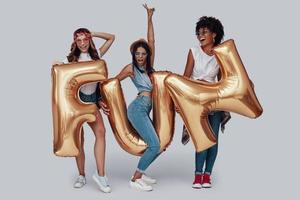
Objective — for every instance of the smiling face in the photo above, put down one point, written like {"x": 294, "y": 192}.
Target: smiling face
{"x": 205, "y": 37}
{"x": 83, "y": 42}
{"x": 140, "y": 56}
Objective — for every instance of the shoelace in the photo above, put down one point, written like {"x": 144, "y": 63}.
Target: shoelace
{"x": 141, "y": 182}
{"x": 80, "y": 179}
{"x": 103, "y": 180}
{"x": 206, "y": 178}
{"x": 146, "y": 177}
{"x": 198, "y": 178}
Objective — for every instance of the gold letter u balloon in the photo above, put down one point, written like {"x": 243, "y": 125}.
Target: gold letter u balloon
{"x": 69, "y": 113}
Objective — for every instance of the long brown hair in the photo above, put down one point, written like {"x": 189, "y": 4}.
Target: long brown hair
{"x": 75, "y": 51}
{"x": 133, "y": 48}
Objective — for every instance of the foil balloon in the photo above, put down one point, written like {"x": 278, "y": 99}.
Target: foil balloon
{"x": 163, "y": 115}
{"x": 195, "y": 99}
{"x": 163, "y": 110}
{"x": 69, "y": 112}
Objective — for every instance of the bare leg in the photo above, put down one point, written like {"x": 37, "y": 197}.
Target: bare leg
{"x": 80, "y": 159}
{"x": 99, "y": 148}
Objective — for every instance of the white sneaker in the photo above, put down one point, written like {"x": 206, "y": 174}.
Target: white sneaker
{"x": 102, "y": 182}
{"x": 80, "y": 182}
{"x": 148, "y": 179}
{"x": 140, "y": 184}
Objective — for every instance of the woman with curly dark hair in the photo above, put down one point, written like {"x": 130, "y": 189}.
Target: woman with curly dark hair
{"x": 202, "y": 65}
{"x": 83, "y": 49}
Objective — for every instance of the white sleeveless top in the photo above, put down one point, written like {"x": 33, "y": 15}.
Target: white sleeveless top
{"x": 205, "y": 66}
{"x": 88, "y": 88}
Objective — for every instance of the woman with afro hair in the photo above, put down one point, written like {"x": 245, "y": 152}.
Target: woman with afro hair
{"x": 202, "y": 65}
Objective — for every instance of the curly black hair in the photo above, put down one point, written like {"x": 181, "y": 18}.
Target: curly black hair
{"x": 212, "y": 24}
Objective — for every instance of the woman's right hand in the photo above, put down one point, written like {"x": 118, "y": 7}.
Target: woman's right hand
{"x": 104, "y": 107}
{"x": 177, "y": 109}
{"x": 57, "y": 63}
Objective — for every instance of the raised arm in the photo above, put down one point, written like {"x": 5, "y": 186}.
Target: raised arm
{"x": 150, "y": 32}
{"x": 109, "y": 40}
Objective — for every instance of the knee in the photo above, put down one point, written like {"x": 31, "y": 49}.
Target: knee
{"x": 155, "y": 147}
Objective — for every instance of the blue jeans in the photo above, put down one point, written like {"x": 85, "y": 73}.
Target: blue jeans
{"x": 138, "y": 115}
{"x": 209, "y": 156}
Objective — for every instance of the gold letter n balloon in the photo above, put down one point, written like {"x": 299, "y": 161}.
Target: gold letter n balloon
{"x": 69, "y": 113}
{"x": 196, "y": 99}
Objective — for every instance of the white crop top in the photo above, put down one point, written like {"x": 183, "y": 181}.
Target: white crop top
{"x": 205, "y": 66}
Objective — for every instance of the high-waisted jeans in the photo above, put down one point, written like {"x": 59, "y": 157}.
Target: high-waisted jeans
{"x": 138, "y": 115}
{"x": 209, "y": 156}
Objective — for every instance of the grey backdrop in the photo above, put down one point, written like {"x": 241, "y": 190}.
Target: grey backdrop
{"x": 257, "y": 158}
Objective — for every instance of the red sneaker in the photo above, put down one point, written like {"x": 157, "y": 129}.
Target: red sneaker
{"x": 197, "y": 184}
{"x": 206, "y": 183}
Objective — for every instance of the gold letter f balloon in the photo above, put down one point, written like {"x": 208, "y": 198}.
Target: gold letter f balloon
{"x": 232, "y": 93}
{"x": 69, "y": 113}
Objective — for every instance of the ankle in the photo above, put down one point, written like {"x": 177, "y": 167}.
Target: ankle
{"x": 82, "y": 174}
{"x": 102, "y": 174}
{"x": 135, "y": 178}
{"x": 137, "y": 175}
